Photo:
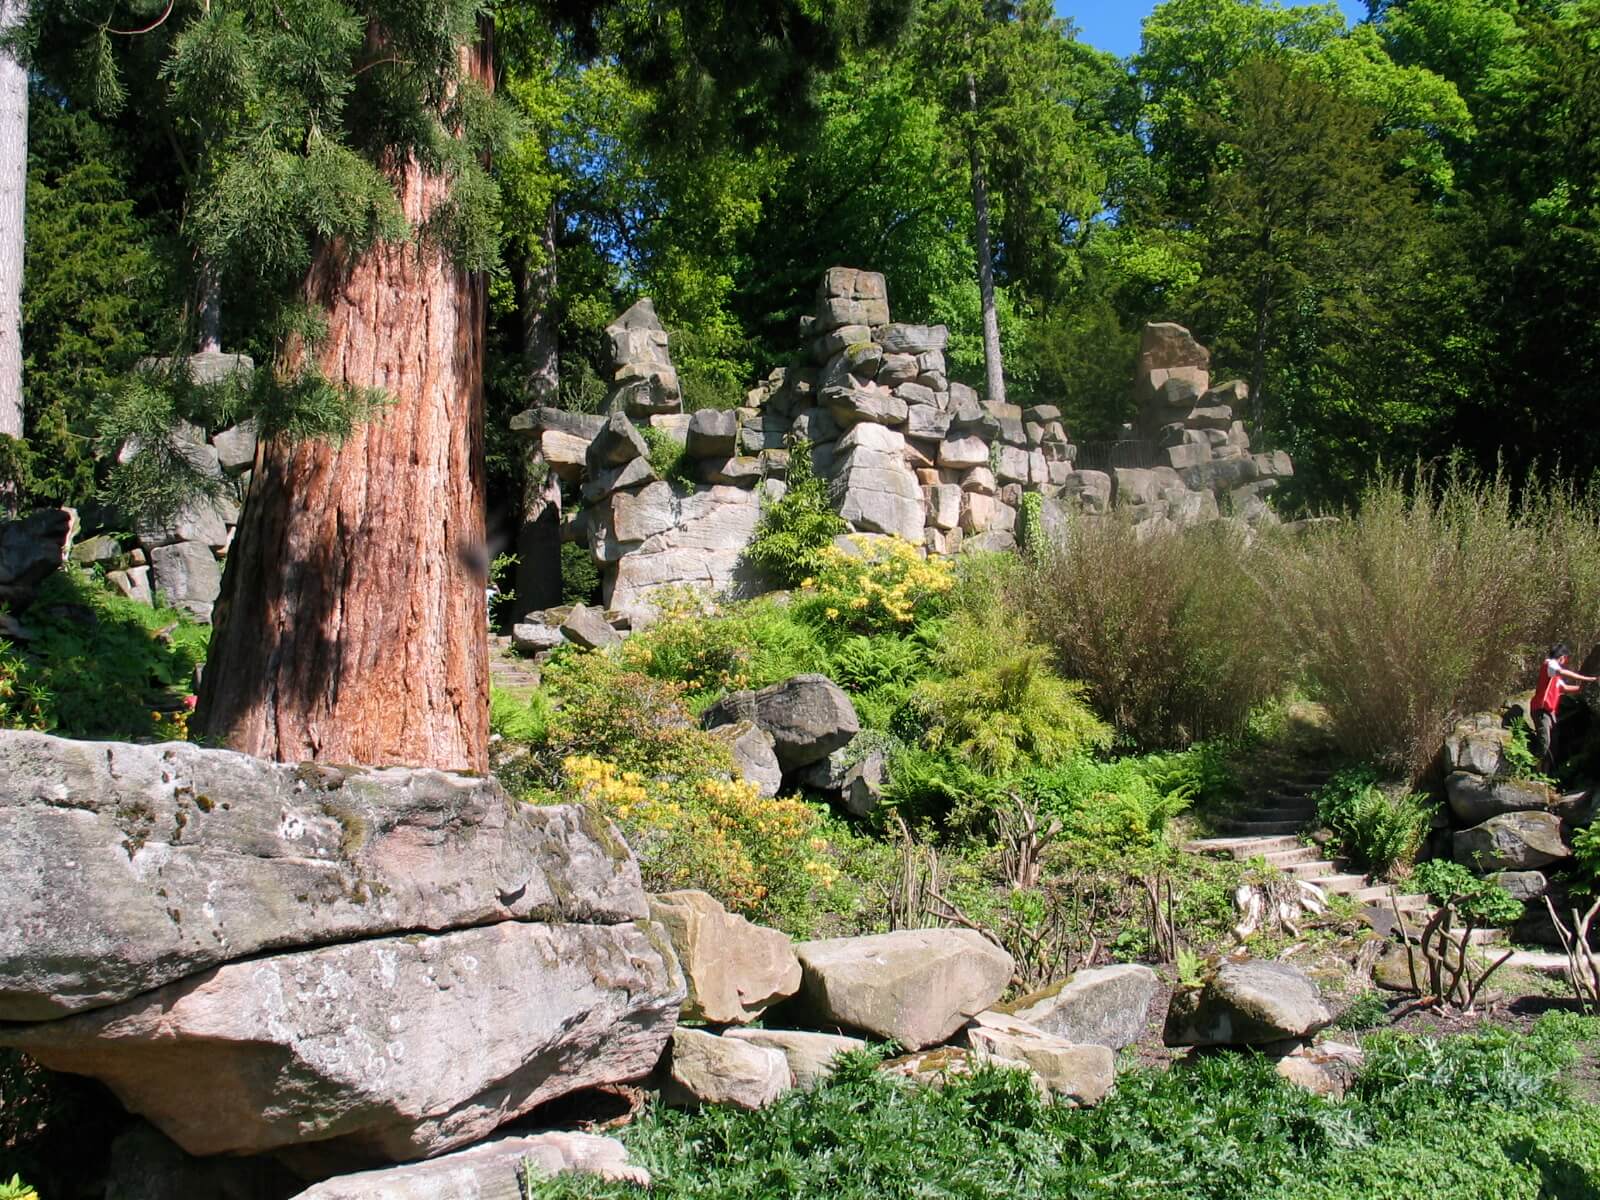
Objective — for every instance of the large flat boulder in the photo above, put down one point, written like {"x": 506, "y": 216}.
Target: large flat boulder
{"x": 707, "y": 1069}
{"x": 811, "y": 1055}
{"x": 124, "y": 867}
{"x": 1081, "y": 1074}
{"x": 1250, "y": 1003}
{"x": 916, "y": 987}
{"x": 808, "y": 717}
{"x": 734, "y": 970}
{"x": 1103, "y": 1006}
{"x": 381, "y": 1050}
{"x": 491, "y": 1170}
{"x": 1513, "y": 841}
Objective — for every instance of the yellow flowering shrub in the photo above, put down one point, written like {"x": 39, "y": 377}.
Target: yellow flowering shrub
{"x": 759, "y": 856}
{"x": 882, "y": 584}
{"x": 691, "y": 643}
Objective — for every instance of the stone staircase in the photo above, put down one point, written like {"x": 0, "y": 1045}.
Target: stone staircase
{"x": 1271, "y": 829}
{"x": 508, "y": 670}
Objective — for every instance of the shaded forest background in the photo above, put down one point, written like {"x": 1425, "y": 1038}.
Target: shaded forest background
{"x": 1391, "y": 229}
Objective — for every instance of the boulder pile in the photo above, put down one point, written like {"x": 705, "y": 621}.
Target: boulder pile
{"x": 906, "y": 450}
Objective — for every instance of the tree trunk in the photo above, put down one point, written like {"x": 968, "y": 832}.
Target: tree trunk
{"x": 209, "y": 306}
{"x": 13, "y": 202}
{"x": 1258, "y": 348}
{"x": 993, "y": 369}
{"x": 539, "y": 540}
{"x": 352, "y": 623}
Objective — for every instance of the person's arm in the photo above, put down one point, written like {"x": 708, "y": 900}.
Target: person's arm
{"x": 1567, "y": 674}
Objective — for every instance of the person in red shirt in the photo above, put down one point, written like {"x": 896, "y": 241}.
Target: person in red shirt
{"x": 1555, "y": 681}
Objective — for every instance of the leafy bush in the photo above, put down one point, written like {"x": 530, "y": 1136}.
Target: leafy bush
{"x": 1433, "y": 600}
{"x": 1170, "y": 633}
{"x": 877, "y": 586}
{"x": 1377, "y": 830}
{"x": 668, "y": 456}
{"x": 793, "y": 530}
{"x": 1483, "y": 900}
{"x": 623, "y": 743}
{"x": 97, "y": 663}
{"x": 692, "y": 645}
{"x": 1111, "y": 812}
{"x": 580, "y": 575}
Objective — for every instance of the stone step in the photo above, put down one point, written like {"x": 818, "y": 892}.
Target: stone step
{"x": 1291, "y": 795}
{"x": 1354, "y": 886}
{"x": 1379, "y": 894}
{"x": 1312, "y": 872}
{"x": 1242, "y": 848}
{"x": 1284, "y": 859}
{"x": 1261, "y": 828}
{"x": 1305, "y": 816}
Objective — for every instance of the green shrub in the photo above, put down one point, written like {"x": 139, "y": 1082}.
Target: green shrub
{"x": 1111, "y": 812}
{"x": 1377, "y": 830}
{"x": 882, "y": 585}
{"x": 1460, "y": 1118}
{"x": 1483, "y": 900}
{"x": 580, "y": 575}
{"x": 97, "y": 663}
{"x": 1170, "y": 633}
{"x": 668, "y": 456}
{"x": 793, "y": 530}
{"x": 1431, "y": 601}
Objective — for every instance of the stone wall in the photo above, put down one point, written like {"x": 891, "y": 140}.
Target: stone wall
{"x": 906, "y": 451}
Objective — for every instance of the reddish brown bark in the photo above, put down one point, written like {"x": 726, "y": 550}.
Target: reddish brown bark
{"x": 352, "y": 624}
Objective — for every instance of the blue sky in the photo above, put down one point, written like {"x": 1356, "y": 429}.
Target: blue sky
{"x": 1114, "y": 24}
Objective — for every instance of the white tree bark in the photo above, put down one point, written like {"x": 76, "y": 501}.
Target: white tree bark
{"x": 993, "y": 369}
{"x": 13, "y": 197}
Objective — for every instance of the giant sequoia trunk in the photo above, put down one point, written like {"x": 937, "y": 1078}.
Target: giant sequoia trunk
{"x": 352, "y": 624}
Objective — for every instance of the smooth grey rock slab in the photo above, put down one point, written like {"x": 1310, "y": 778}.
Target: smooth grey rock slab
{"x": 124, "y": 867}
{"x": 381, "y": 1050}
{"x": 1475, "y": 798}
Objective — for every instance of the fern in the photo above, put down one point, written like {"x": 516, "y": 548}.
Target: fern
{"x": 794, "y": 530}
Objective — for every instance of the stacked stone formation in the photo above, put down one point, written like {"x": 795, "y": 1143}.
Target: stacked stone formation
{"x": 644, "y": 381}
{"x": 1199, "y": 435}
{"x": 906, "y": 451}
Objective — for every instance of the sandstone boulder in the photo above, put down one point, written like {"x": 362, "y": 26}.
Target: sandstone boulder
{"x": 713, "y": 433}
{"x": 1166, "y": 345}
{"x": 236, "y": 447}
{"x": 707, "y": 1069}
{"x": 126, "y": 867}
{"x": 1079, "y": 1073}
{"x": 811, "y": 1055}
{"x": 186, "y": 575}
{"x": 588, "y": 627}
{"x": 808, "y": 717}
{"x": 1514, "y": 841}
{"x": 1248, "y": 1003}
{"x": 491, "y": 1170}
{"x": 939, "y": 1066}
{"x": 1477, "y": 744}
{"x": 1103, "y": 1006}
{"x": 33, "y": 547}
{"x": 1522, "y": 885}
{"x": 1327, "y": 1069}
{"x": 915, "y": 986}
{"x": 913, "y": 339}
{"x": 381, "y": 1050}
{"x": 733, "y": 970}
{"x": 616, "y": 444}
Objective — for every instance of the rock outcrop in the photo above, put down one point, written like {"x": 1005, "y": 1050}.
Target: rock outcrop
{"x": 128, "y": 867}
{"x": 342, "y": 967}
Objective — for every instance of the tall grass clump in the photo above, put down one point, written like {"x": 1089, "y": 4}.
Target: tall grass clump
{"x": 1169, "y": 633}
{"x": 1431, "y": 601}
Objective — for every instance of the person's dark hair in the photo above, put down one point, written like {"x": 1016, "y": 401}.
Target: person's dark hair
{"x": 1559, "y": 650}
